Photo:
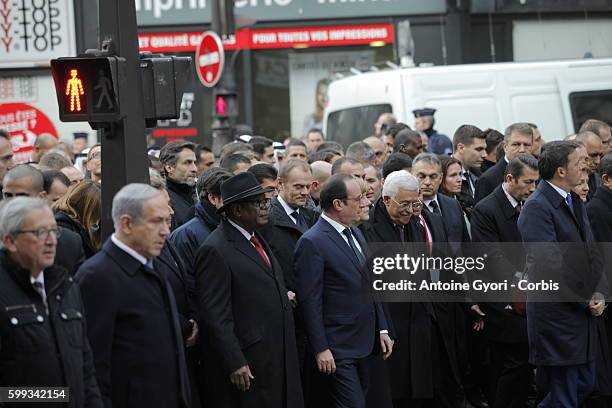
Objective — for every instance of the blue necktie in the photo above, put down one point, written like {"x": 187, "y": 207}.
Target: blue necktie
{"x": 568, "y": 201}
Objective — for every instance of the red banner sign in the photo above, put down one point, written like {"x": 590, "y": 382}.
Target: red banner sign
{"x": 24, "y": 124}
{"x": 325, "y": 36}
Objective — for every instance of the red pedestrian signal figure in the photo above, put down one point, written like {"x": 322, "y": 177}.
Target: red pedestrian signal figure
{"x": 74, "y": 89}
{"x": 221, "y": 105}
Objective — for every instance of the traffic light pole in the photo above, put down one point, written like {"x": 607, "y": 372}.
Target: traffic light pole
{"x": 124, "y": 157}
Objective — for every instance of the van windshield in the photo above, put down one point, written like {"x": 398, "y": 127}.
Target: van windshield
{"x": 350, "y": 125}
{"x": 591, "y": 105}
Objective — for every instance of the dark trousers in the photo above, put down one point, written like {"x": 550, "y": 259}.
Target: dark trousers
{"x": 445, "y": 385}
{"x": 511, "y": 374}
{"x": 348, "y": 386}
{"x": 567, "y": 386}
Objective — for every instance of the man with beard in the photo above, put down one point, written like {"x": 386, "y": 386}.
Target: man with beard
{"x": 188, "y": 237}
{"x": 178, "y": 159}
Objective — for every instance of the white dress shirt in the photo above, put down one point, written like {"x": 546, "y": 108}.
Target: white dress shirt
{"x": 287, "y": 208}
{"x": 129, "y": 250}
{"x": 40, "y": 279}
{"x": 340, "y": 228}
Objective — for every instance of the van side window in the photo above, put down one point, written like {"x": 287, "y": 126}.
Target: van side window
{"x": 350, "y": 125}
{"x": 591, "y": 104}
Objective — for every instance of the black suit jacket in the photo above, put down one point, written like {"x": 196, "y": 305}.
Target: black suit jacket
{"x": 134, "y": 332}
{"x": 454, "y": 221}
{"x": 599, "y": 210}
{"x": 282, "y": 234}
{"x": 490, "y": 179}
{"x": 247, "y": 320}
{"x": 466, "y": 196}
{"x": 494, "y": 224}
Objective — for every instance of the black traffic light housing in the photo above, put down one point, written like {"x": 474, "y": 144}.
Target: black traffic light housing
{"x": 87, "y": 88}
{"x": 163, "y": 79}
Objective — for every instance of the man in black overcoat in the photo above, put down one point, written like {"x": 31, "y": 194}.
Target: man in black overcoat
{"x": 132, "y": 319}
{"x": 494, "y": 225}
{"x": 248, "y": 341}
{"x": 423, "y": 369}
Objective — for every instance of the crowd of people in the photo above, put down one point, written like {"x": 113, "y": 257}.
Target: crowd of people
{"x": 242, "y": 280}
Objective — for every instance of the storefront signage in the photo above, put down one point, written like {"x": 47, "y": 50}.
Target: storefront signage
{"x": 175, "y": 12}
{"x": 274, "y": 38}
{"x": 34, "y": 31}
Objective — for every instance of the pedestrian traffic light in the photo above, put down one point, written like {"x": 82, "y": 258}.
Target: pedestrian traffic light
{"x": 225, "y": 103}
{"x": 86, "y": 88}
{"x": 163, "y": 80}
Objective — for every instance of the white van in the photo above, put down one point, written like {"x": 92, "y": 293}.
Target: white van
{"x": 558, "y": 96}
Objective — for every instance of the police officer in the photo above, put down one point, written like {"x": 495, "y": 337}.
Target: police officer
{"x": 424, "y": 122}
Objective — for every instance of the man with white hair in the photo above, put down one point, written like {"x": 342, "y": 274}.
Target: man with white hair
{"x": 424, "y": 369}
{"x": 42, "y": 330}
{"x": 133, "y": 320}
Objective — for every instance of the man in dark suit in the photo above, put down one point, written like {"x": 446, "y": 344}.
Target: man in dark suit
{"x": 424, "y": 369}
{"x": 288, "y": 218}
{"x": 494, "y": 221}
{"x": 470, "y": 148}
{"x": 599, "y": 208}
{"x": 132, "y": 317}
{"x": 518, "y": 138}
{"x": 558, "y": 240}
{"x": 342, "y": 328}
{"x": 595, "y": 150}
{"x": 248, "y": 351}
{"x": 428, "y": 170}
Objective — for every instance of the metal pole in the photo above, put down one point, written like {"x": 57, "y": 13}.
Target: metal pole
{"x": 124, "y": 157}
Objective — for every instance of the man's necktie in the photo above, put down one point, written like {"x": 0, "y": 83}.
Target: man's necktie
{"x": 348, "y": 234}
{"x": 300, "y": 222}
{"x": 400, "y": 230}
{"x": 260, "y": 250}
{"x": 569, "y": 202}
{"x": 427, "y": 244}
{"x": 467, "y": 183}
{"x": 38, "y": 287}
{"x": 434, "y": 207}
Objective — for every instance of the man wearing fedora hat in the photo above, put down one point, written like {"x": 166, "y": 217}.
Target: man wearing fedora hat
{"x": 248, "y": 350}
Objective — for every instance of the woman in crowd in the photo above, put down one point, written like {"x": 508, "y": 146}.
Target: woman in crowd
{"x": 79, "y": 210}
{"x": 582, "y": 189}
{"x": 94, "y": 163}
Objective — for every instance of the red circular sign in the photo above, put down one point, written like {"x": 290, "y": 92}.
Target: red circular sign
{"x": 24, "y": 124}
{"x": 210, "y": 58}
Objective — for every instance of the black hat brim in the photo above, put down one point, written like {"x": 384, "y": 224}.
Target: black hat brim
{"x": 243, "y": 196}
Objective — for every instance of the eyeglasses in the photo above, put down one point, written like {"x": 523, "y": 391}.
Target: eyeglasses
{"x": 412, "y": 205}
{"x": 42, "y": 233}
{"x": 262, "y": 204}
{"x": 7, "y": 194}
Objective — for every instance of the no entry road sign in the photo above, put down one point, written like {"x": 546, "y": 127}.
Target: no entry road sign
{"x": 209, "y": 59}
